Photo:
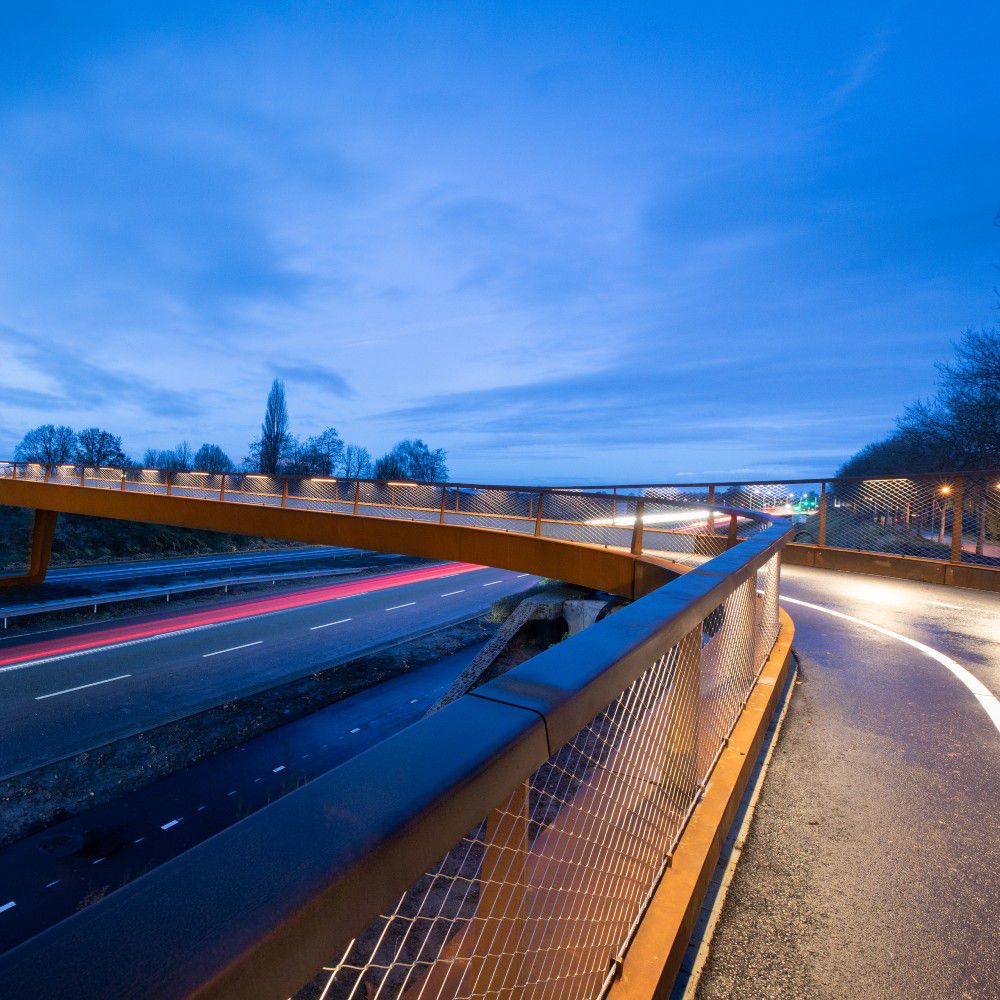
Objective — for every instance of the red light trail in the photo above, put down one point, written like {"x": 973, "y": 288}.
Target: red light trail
{"x": 232, "y": 612}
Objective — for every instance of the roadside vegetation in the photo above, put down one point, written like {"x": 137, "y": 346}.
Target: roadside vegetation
{"x": 276, "y": 451}
{"x": 957, "y": 429}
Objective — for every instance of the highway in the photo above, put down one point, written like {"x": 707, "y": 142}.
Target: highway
{"x": 73, "y": 586}
{"x": 873, "y": 863}
{"x": 76, "y": 688}
{"x": 890, "y": 751}
{"x": 51, "y": 874}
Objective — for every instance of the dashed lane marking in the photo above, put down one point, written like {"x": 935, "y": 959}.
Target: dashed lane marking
{"x": 339, "y": 621}
{"x": 396, "y": 607}
{"x": 80, "y": 687}
{"x": 232, "y": 649}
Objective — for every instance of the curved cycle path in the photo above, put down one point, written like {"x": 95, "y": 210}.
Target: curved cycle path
{"x": 872, "y": 867}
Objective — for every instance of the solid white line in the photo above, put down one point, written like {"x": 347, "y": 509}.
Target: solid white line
{"x": 232, "y": 649}
{"x": 173, "y": 822}
{"x": 520, "y": 575}
{"x": 280, "y": 767}
{"x": 340, "y": 621}
{"x": 48, "y": 885}
{"x": 452, "y": 593}
{"x": 492, "y": 583}
{"x": 982, "y": 694}
{"x": 945, "y": 604}
{"x": 7, "y": 906}
{"x": 107, "y": 680}
{"x": 396, "y": 607}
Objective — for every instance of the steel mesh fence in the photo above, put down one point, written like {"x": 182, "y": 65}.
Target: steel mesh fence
{"x": 540, "y": 899}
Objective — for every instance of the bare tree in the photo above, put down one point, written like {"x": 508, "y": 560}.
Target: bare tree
{"x": 96, "y": 447}
{"x": 211, "y": 458}
{"x": 49, "y": 444}
{"x": 357, "y": 462}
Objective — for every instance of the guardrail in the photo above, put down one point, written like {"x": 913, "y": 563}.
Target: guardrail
{"x": 167, "y": 590}
{"x": 503, "y": 846}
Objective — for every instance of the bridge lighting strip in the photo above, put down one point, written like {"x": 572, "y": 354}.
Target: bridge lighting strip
{"x": 979, "y": 690}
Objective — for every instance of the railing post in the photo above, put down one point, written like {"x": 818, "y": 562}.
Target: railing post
{"x": 614, "y": 504}
{"x": 48, "y": 471}
{"x": 444, "y": 497}
{"x": 821, "y": 534}
{"x": 538, "y": 515}
{"x": 357, "y": 494}
{"x": 941, "y": 527}
{"x": 731, "y": 534}
{"x": 83, "y": 474}
{"x": 124, "y": 476}
{"x": 710, "y": 520}
{"x": 956, "y": 519}
{"x": 222, "y": 487}
{"x": 169, "y": 476}
{"x": 13, "y": 469}
{"x": 640, "y": 508}
{"x": 284, "y": 492}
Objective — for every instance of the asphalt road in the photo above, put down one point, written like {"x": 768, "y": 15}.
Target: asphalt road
{"x": 76, "y": 688}
{"x": 872, "y": 869}
{"x": 50, "y": 875}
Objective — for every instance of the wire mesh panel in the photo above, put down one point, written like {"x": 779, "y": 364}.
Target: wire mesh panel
{"x": 541, "y": 898}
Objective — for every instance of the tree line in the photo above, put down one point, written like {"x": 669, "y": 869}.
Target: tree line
{"x": 276, "y": 451}
{"x": 957, "y": 429}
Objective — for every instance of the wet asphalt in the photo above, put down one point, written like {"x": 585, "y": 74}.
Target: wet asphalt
{"x": 872, "y": 868}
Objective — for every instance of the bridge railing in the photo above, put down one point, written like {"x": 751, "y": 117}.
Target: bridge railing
{"x": 504, "y": 846}
{"x": 943, "y": 516}
{"x": 680, "y": 527}
{"x": 948, "y": 517}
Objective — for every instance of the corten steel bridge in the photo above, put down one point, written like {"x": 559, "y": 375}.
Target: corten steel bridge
{"x": 521, "y": 841}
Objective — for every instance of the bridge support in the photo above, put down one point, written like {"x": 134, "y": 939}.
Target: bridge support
{"x": 42, "y": 532}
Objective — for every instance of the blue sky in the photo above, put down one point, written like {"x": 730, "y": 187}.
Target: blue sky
{"x": 566, "y": 242}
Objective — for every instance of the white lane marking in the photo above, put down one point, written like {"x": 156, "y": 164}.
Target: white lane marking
{"x": 396, "y": 607}
{"x": 173, "y": 822}
{"x": 340, "y": 621}
{"x": 452, "y": 593}
{"x": 492, "y": 583}
{"x": 98, "y": 861}
{"x": 945, "y": 604}
{"x": 413, "y": 701}
{"x": 107, "y": 680}
{"x": 138, "y": 840}
{"x": 7, "y": 906}
{"x": 357, "y": 730}
{"x": 280, "y": 767}
{"x": 200, "y": 809}
{"x": 979, "y": 690}
{"x": 521, "y": 575}
{"x": 233, "y": 792}
{"x": 232, "y": 649}
{"x": 48, "y": 885}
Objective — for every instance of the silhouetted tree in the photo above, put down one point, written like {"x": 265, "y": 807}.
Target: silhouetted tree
{"x": 356, "y": 462}
{"x": 96, "y": 447}
{"x": 274, "y": 441}
{"x": 211, "y": 458}
{"x": 173, "y": 459}
{"x": 412, "y": 460}
{"x": 49, "y": 444}
{"x": 959, "y": 428}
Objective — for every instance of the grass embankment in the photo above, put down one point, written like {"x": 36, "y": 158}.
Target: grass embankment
{"x": 95, "y": 539}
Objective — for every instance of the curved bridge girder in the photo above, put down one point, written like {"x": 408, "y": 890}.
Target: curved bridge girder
{"x": 616, "y": 571}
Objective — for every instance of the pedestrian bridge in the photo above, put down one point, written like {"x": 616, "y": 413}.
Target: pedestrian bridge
{"x": 549, "y": 834}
